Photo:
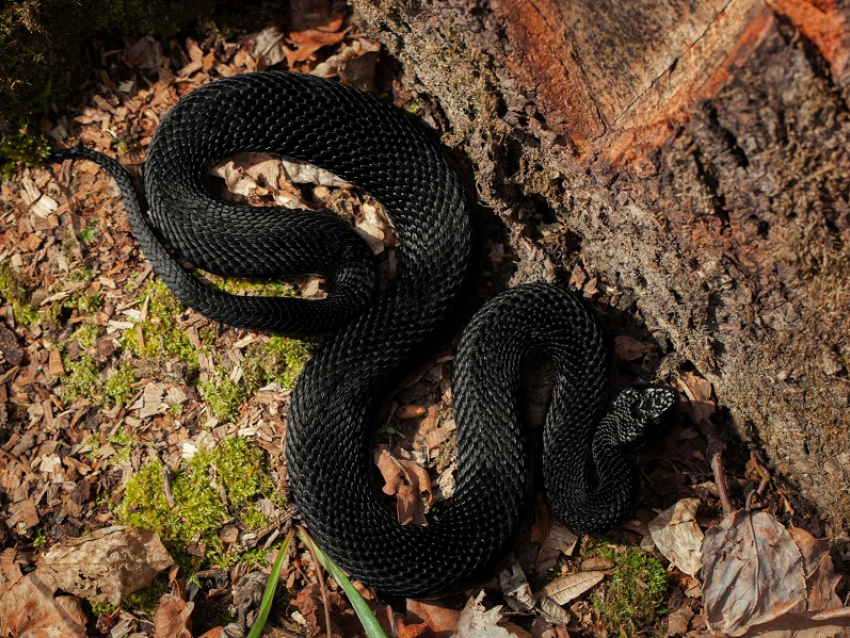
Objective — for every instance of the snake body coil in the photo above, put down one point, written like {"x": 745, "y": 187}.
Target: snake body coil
{"x": 590, "y": 477}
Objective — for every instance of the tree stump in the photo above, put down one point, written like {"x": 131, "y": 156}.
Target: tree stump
{"x": 700, "y": 152}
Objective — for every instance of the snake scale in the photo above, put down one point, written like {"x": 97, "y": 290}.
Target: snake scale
{"x": 588, "y": 468}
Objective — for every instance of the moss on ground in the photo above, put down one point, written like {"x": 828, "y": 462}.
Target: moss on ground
{"x": 13, "y": 290}
{"x": 86, "y": 335}
{"x": 162, "y": 337}
{"x": 280, "y": 360}
{"x": 146, "y": 599}
{"x": 239, "y": 286}
{"x": 634, "y": 599}
{"x": 223, "y": 395}
{"x": 198, "y": 511}
{"x": 119, "y": 387}
{"x": 81, "y": 379}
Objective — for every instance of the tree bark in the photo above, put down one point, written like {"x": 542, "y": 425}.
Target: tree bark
{"x": 700, "y": 152}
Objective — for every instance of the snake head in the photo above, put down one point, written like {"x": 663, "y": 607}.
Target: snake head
{"x": 634, "y": 410}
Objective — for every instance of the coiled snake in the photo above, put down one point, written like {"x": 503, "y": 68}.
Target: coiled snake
{"x": 589, "y": 473}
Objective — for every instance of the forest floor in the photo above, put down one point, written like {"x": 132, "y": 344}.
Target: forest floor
{"x": 120, "y": 407}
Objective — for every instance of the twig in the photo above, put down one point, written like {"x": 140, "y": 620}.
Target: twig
{"x": 715, "y": 455}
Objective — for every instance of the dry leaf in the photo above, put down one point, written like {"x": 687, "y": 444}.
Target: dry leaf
{"x": 408, "y": 482}
{"x": 552, "y": 611}
{"x": 269, "y": 48}
{"x": 173, "y": 618}
{"x": 829, "y": 623}
{"x": 29, "y": 609}
{"x": 410, "y": 411}
{"x": 699, "y": 391}
{"x": 567, "y": 588}
{"x": 105, "y": 565}
{"x": 416, "y": 630}
{"x": 753, "y": 572}
{"x": 306, "y": 43}
{"x": 559, "y": 540}
{"x": 679, "y": 620}
{"x": 10, "y": 571}
{"x": 821, "y": 579}
{"x": 151, "y": 402}
{"x": 678, "y": 537}
{"x": 515, "y": 587}
{"x": 441, "y": 620}
{"x": 476, "y": 622}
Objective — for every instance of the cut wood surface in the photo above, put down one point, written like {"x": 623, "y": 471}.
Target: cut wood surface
{"x": 699, "y": 150}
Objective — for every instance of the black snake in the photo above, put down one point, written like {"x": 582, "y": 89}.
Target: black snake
{"x": 588, "y": 468}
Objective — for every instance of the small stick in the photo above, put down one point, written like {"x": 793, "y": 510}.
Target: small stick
{"x": 715, "y": 455}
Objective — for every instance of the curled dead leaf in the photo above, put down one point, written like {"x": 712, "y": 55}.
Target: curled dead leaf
{"x": 478, "y": 622}
{"x": 753, "y": 573}
{"x": 408, "y": 482}
{"x": 173, "y": 618}
{"x": 678, "y": 537}
{"x": 515, "y": 587}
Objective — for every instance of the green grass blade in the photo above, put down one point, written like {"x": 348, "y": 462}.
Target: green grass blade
{"x": 361, "y": 607}
{"x": 271, "y": 585}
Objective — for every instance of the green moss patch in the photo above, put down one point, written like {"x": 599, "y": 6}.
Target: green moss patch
{"x": 161, "y": 336}
{"x": 280, "y": 360}
{"x": 81, "y": 379}
{"x": 119, "y": 387}
{"x": 224, "y": 396}
{"x": 16, "y": 294}
{"x": 634, "y": 599}
{"x": 235, "y": 468}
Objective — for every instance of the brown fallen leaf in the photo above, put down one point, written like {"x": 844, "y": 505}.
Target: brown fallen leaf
{"x": 408, "y": 482}
{"x": 305, "y": 43}
{"x": 753, "y": 573}
{"x": 567, "y": 588}
{"x": 679, "y": 620}
{"x": 173, "y": 618}
{"x": 269, "y": 47}
{"x": 825, "y": 617}
{"x": 106, "y": 565}
{"x": 441, "y": 620}
{"x": 415, "y": 630}
{"x": 29, "y": 609}
{"x": 10, "y": 571}
{"x": 678, "y": 537}
{"x": 828, "y": 623}
{"x": 821, "y": 579}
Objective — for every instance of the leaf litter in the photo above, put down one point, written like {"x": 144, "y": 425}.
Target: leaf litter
{"x": 60, "y": 456}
